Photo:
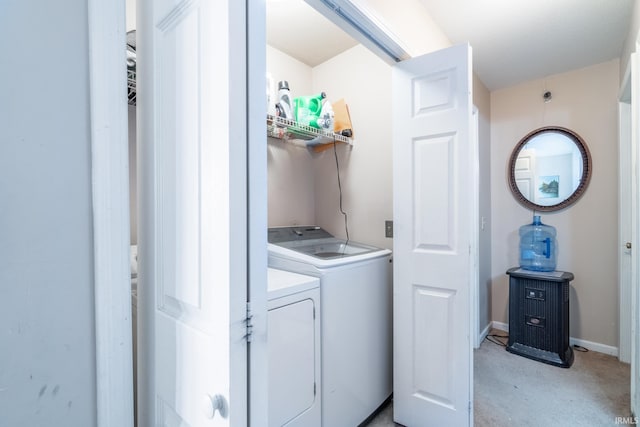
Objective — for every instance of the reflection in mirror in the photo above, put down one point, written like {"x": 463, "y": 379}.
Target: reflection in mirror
{"x": 549, "y": 169}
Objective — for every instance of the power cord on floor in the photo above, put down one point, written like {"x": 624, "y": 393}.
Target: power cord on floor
{"x": 492, "y": 338}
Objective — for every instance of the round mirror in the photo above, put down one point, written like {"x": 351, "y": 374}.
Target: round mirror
{"x": 549, "y": 169}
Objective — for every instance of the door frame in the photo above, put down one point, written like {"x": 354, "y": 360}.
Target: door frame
{"x": 635, "y": 230}
{"x": 110, "y": 203}
{"x": 257, "y": 211}
{"x": 625, "y": 160}
{"x": 474, "y": 278}
{"x": 629, "y": 133}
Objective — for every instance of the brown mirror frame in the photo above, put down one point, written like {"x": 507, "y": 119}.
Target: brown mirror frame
{"x": 586, "y": 169}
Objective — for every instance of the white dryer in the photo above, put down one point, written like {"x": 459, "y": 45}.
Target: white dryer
{"x": 356, "y": 325}
{"x": 294, "y": 350}
{"x": 134, "y": 324}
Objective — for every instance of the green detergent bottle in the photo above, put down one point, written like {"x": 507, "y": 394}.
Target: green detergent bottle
{"x": 307, "y": 109}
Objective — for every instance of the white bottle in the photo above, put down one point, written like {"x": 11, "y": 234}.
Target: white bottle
{"x": 284, "y": 100}
{"x": 271, "y": 95}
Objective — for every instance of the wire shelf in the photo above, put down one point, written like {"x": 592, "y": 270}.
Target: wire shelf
{"x": 131, "y": 86}
{"x": 287, "y": 130}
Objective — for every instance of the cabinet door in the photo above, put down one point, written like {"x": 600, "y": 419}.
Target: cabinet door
{"x": 292, "y": 362}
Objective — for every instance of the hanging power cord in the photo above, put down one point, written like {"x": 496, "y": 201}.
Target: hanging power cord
{"x": 346, "y": 222}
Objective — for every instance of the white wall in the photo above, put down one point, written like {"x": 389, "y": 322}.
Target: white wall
{"x": 130, "y": 14}
{"x": 411, "y": 25}
{"x": 632, "y": 37}
{"x": 47, "y": 362}
{"x": 290, "y": 168}
{"x": 585, "y": 101}
{"x": 364, "y": 81}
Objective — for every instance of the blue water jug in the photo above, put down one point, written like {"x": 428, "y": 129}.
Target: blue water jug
{"x": 538, "y": 246}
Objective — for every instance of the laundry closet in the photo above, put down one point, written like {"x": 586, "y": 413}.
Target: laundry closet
{"x": 315, "y": 192}
{"x": 303, "y": 184}
{"x": 344, "y": 187}
{"x": 317, "y": 185}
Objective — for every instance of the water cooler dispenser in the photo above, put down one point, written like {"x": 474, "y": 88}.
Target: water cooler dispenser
{"x": 539, "y": 299}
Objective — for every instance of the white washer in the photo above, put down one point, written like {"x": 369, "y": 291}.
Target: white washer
{"x": 294, "y": 350}
{"x": 356, "y": 325}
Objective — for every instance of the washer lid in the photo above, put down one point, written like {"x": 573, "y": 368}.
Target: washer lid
{"x": 297, "y": 233}
{"x": 281, "y": 283}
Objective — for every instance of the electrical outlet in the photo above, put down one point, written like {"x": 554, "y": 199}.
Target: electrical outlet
{"x": 388, "y": 228}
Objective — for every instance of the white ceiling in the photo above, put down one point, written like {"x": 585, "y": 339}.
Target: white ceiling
{"x": 296, "y": 29}
{"x": 513, "y": 40}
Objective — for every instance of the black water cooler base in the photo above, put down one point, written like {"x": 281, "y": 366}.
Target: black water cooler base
{"x": 539, "y": 316}
{"x": 557, "y": 359}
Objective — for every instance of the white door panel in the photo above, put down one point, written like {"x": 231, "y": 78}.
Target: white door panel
{"x": 192, "y": 319}
{"x": 525, "y": 173}
{"x": 433, "y": 217}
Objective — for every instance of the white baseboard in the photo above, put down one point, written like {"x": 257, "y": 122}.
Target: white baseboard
{"x": 500, "y": 326}
{"x": 593, "y": 346}
{"x": 484, "y": 333}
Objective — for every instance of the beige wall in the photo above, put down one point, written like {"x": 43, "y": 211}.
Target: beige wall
{"x": 298, "y": 196}
{"x": 364, "y": 81}
{"x": 585, "y": 101}
{"x": 303, "y": 185}
{"x": 290, "y": 168}
{"x": 482, "y": 101}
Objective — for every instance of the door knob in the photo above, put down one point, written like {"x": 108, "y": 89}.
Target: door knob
{"x": 212, "y": 404}
{"x": 628, "y": 245}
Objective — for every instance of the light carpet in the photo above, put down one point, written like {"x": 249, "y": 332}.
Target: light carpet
{"x": 511, "y": 390}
